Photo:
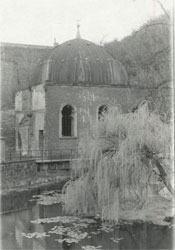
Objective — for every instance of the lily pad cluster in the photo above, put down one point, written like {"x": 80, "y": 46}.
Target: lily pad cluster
{"x": 107, "y": 228}
{"x": 72, "y": 229}
{"x": 91, "y": 247}
{"x": 116, "y": 240}
{"x": 35, "y": 234}
{"x": 63, "y": 219}
{"x": 70, "y": 235}
{"x": 47, "y": 198}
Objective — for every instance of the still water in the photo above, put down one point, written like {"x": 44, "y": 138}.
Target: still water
{"x": 37, "y": 222}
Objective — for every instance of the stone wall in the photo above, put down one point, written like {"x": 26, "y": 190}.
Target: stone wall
{"x": 15, "y": 174}
{"x": 58, "y": 167}
{"x": 15, "y": 200}
{"x": 87, "y": 100}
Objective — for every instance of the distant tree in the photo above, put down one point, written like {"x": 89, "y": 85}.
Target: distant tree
{"x": 146, "y": 53}
{"x": 146, "y": 56}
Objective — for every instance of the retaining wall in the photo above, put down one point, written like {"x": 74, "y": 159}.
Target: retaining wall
{"x": 17, "y": 173}
{"x": 30, "y": 172}
{"x": 61, "y": 168}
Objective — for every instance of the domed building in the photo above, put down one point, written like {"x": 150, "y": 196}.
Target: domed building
{"x": 69, "y": 91}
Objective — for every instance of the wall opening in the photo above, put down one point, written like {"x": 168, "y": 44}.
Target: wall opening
{"x": 19, "y": 142}
{"x": 102, "y": 110}
{"x": 41, "y": 139}
{"x": 68, "y": 121}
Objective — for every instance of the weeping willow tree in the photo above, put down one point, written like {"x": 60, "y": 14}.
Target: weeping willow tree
{"x": 117, "y": 162}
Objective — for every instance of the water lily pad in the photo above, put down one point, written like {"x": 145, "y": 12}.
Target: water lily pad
{"x": 35, "y": 234}
{"x": 63, "y": 219}
{"x": 116, "y": 240}
{"x": 47, "y": 198}
{"x": 91, "y": 247}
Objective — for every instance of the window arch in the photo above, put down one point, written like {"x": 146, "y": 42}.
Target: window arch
{"x": 68, "y": 121}
{"x": 102, "y": 110}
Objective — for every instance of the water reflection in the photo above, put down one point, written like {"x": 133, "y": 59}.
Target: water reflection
{"x": 127, "y": 236}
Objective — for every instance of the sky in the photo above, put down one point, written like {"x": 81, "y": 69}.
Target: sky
{"x": 39, "y": 21}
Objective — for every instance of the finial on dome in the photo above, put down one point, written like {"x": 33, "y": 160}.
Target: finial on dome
{"x": 78, "y": 36}
{"x": 55, "y": 42}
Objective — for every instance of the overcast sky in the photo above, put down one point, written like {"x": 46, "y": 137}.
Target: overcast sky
{"x": 39, "y": 21}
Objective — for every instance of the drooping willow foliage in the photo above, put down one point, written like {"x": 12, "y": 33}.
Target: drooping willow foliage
{"x": 113, "y": 172}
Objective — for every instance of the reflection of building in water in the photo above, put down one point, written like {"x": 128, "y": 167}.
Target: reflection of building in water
{"x": 23, "y": 225}
{"x": 15, "y": 224}
{"x": 135, "y": 236}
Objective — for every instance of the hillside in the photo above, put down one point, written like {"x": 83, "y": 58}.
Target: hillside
{"x": 146, "y": 53}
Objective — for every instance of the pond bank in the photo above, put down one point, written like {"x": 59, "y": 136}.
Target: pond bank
{"x": 45, "y": 226}
{"x": 16, "y": 198}
{"x": 155, "y": 210}
{"x": 37, "y": 217}
{"x": 40, "y": 179}
{"x": 22, "y": 174}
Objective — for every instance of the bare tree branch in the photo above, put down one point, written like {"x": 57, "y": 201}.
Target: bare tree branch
{"x": 150, "y": 25}
{"x": 164, "y": 10}
{"x": 149, "y": 154}
{"x": 164, "y": 82}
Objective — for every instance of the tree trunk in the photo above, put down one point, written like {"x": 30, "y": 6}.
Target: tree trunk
{"x": 162, "y": 172}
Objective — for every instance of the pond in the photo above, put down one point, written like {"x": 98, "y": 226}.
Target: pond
{"x": 38, "y": 222}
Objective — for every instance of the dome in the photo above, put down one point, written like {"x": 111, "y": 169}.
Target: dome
{"x": 80, "y": 62}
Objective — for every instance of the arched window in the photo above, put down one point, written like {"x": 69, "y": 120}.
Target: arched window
{"x": 68, "y": 121}
{"x": 102, "y": 110}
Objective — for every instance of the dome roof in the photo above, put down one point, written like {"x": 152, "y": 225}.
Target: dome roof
{"x": 80, "y": 62}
